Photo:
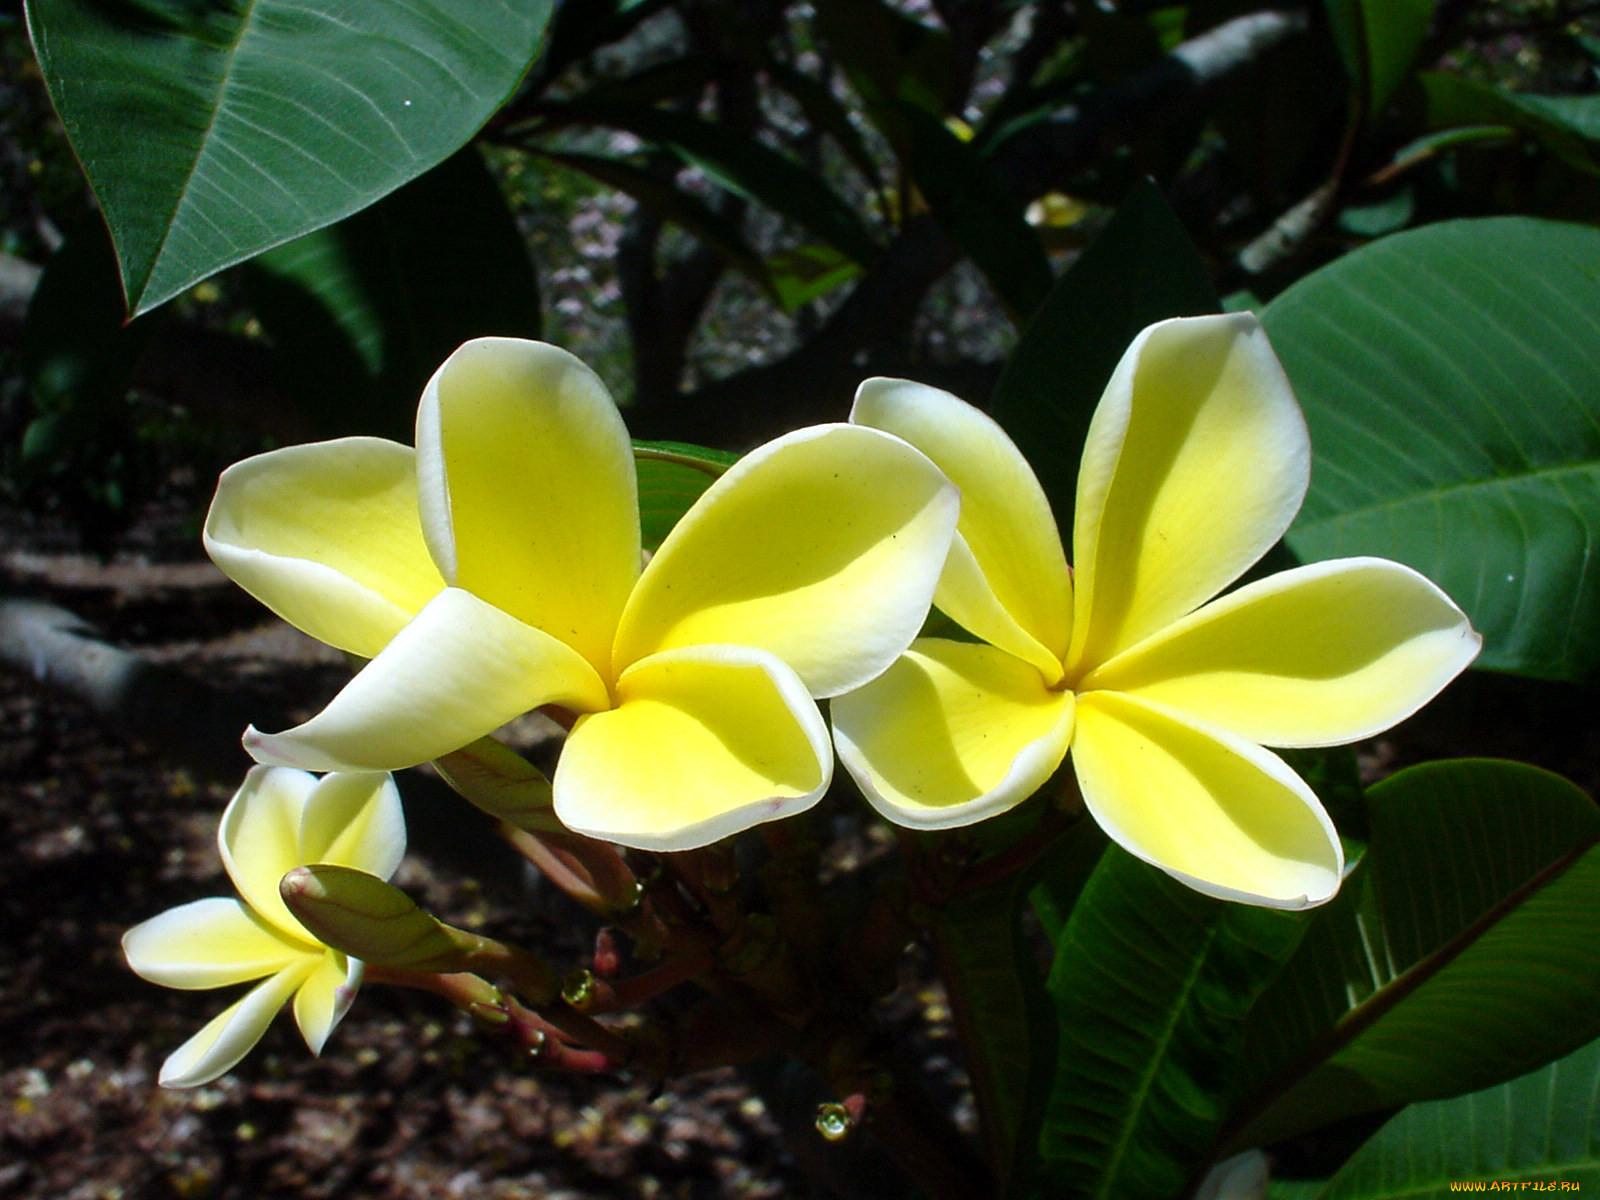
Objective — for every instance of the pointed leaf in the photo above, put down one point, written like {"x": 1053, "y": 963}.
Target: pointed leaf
{"x": 1448, "y": 376}
{"x": 1463, "y": 951}
{"x": 1543, "y": 1126}
{"x": 1378, "y": 39}
{"x": 1151, "y": 985}
{"x": 259, "y": 122}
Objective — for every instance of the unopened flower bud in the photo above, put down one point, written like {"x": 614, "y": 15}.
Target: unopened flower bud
{"x": 502, "y": 783}
{"x": 374, "y": 921}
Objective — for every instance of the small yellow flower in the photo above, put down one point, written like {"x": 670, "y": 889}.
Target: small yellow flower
{"x": 278, "y": 820}
{"x": 497, "y": 569}
{"x": 1196, "y": 461}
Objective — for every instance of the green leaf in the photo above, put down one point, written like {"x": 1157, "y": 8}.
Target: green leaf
{"x": 1378, "y": 40}
{"x": 672, "y": 476}
{"x": 1463, "y": 951}
{"x": 212, "y": 130}
{"x": 1450, "y": 376}
{"x": 1543, "y": 1126}
{"x": 806, "y": 273}
{"x": 991, "y": 974}
{"x": 1565, "y": 126}
{"x": 77, "y": 354}
{"x": 1141, "y": 269}
{"x": 1151, "y": 986}
{"x": 362, "y": 313}
{"x": 891, "y": 57}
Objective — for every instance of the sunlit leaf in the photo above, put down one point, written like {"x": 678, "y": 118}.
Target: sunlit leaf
{"x": 211, "y": 131}
{"x": 1451, "y": 379}
{"x": 671, "y": 477}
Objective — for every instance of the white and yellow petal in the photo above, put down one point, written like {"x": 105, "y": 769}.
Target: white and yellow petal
{"x": 259, "y": 839}
{"x": 705, "y": 741}
{"x": 822, "y": 548}
{"x": 1196, "y": 461}
{"x": 1211, "y": 809}
{"x": 459, "y": 671}
{"x": 952, "y": 733}
{"x": 354, "y": 820}
{"x": 233, "y": 1033}
{"x": 328, "y": 537}
{"x": 528, "y": 491}
{"x": 1006, "y": 580}
{"x": 325, "y": 997}
{"x": 1317, "y": 656}
{"x": 206, "y": 944}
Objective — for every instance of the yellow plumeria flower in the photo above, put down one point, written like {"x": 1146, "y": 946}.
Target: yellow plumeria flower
{"x": 1196, "y": 461}
{"x": 497, "y": 569}
{"x": 279, "y": 820}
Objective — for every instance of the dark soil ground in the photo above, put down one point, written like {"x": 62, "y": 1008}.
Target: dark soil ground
{"x": 409, "y": 1100}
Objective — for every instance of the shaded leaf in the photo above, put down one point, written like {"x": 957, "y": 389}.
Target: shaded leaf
{"x": 1543, "y": 1126}
{"x": 1565, "y": 126}
{"x": 806, "y": 273}
{"x": 1151, "y": 986}
{"x": 1463, "y": 951}
{"x": 976, "y": 211}
{"x": 1379, "y": 40}
{"x": 362, "y": 313}
{"x": 743, "y": 165}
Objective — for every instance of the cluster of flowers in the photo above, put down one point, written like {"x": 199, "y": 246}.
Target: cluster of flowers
{"x": 497, "y": 568}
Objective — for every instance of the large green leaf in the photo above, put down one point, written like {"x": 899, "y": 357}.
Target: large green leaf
{"x": 1462, "y": 952}
{"x": 1151, "y": 986}
{"x": 1141, "y": 269}
{"x": 362, "y": 313}
{"x": 211, "y": 130}
{"x": 1451, "y": 379}
{"x": 1544, "y": 1126}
